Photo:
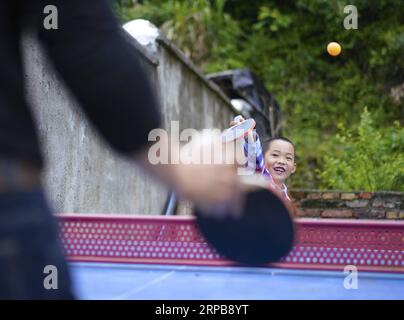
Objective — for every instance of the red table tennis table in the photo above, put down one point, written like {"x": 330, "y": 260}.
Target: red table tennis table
{"x": 159, "y": 257}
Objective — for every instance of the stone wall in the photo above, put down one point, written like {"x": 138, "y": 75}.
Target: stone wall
{"x": 348, "y": 205}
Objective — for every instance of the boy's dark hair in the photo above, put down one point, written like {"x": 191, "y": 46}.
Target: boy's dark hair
{"x": 268, "y": 142}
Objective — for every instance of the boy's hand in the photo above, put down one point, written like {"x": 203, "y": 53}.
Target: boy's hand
{"x": 236, "y": 120}
{"x": 252, "y": 136}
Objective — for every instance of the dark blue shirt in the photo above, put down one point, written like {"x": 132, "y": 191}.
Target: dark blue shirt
{"x": 92, "y": 57}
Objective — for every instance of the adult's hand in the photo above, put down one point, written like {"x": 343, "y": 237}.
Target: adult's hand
{"x": 211, "y": 185}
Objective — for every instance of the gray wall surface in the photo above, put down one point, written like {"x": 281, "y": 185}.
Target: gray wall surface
{"x": 82, "y": 173}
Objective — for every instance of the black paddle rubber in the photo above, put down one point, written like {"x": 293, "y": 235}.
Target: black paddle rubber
{"x": 264, "y": 233}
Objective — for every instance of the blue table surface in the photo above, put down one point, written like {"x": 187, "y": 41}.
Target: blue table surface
{"x": 158, "y": 282}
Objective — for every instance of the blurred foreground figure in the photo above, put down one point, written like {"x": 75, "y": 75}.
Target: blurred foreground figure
{"x": 99, "y": 66}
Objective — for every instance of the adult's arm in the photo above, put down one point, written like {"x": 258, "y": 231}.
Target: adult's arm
{"x": 101, "y": 68}
{"x": 103, "y": 71}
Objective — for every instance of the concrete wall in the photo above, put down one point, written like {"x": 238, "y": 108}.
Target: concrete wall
{"x": 82, "y": 173}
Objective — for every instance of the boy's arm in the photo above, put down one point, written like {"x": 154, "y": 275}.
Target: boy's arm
{"x": 252, "y": 148}
{"x": 250, "y": 151}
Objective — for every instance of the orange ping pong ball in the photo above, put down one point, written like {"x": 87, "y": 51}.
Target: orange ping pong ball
{"x": 334, "y": 49}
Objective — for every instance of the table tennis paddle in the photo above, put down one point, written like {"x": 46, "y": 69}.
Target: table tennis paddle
{"x": 238, "y": 131}
{"x": 263, "y": 233}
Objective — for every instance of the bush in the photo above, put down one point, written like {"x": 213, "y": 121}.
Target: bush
{"x": 367, "y": 158}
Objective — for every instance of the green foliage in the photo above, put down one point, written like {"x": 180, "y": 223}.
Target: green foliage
{"x": 201, "y": 29}
{"x": 367, "y": 158}
{"x": 284, "y": 43}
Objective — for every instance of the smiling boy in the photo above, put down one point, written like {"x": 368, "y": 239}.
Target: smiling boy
{"x": 278, "y": 162}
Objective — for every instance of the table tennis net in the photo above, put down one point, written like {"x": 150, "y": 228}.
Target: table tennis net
{"x": 319, "y": 244}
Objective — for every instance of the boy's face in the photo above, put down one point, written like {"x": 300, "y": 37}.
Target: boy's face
{"x": 280, "y": 160}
